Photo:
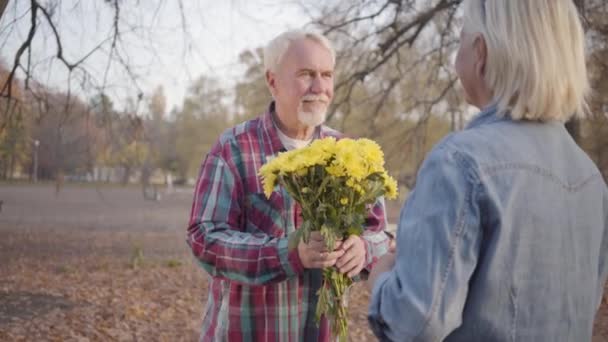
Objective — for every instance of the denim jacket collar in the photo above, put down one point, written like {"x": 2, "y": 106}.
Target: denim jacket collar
{"x": 486, "y": 116}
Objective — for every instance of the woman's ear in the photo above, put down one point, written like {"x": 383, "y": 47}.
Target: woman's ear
{"x": 481, "y": 54}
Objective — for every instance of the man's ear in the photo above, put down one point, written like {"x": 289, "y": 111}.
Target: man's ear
{"x": 271, "y": 82}
{"x": 481, "y": 52}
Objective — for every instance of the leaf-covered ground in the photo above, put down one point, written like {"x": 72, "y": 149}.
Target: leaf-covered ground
{"x": 108, "y": 266}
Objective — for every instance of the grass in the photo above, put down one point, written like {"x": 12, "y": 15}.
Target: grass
{"x": 64, "y": 269}
{"x": 137, "y": 256}
{"x": 173, "y": 263}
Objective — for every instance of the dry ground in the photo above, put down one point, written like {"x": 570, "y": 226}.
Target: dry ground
{"x": 108, "y": 266}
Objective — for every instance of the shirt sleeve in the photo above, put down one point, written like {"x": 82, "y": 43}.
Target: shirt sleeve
{"x": 376, "y": 241}
{"x": 438, "y": 240}
{"x": 216, "y": 239}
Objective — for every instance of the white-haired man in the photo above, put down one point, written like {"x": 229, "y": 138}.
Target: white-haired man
{"x": 260, "y": 290}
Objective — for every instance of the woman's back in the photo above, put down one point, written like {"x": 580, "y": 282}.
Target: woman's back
{"x": 543, "y": 207}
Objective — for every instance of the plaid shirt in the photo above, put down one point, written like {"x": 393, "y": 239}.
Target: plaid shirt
{"x": 259, "y": 290}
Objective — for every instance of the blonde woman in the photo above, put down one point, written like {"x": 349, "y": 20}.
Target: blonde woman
{"x": 505, "y": 236}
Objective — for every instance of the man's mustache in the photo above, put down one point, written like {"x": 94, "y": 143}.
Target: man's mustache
{"x": 321, "y": 98}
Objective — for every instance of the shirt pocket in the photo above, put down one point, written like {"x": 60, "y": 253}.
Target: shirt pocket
{"x": 265, "y": 215}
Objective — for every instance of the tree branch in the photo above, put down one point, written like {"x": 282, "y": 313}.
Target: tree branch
{"x": 8, "y": 85}
{"x": 420, "y": 22}
{"x": 3, "y": 4}
{"x": 356, "y": 19}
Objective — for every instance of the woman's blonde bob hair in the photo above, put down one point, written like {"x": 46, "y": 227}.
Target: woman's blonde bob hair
{"x": 535, "y": 56}
{"x": 276, "y": 48}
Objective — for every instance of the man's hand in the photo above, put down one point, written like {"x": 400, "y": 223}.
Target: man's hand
{"x": 314, "y": 254}
{"x": 353, "y": 260}
{"x": 392, "y": 246}
{"x": 384, "y": 264}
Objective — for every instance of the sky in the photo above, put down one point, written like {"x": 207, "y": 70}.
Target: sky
{"x": 153, "y": 41}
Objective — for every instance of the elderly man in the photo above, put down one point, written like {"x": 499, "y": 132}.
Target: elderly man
{"x": 260, "y": 289}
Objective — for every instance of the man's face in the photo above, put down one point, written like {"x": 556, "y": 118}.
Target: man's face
{"x": 303, "y": 83}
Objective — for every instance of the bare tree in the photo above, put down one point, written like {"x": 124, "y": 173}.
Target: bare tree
{"x": 89, "y": 62}
{"x": 403, "y": 36}
{"x": 394, "y": 73}
{"x": 399, "y": 52}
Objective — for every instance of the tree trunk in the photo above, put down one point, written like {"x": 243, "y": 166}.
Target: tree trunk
{"x": 59, "y": 178}
{"x": 3, "y": 4}
{"x": 126, "y": 175}
{"x": 580, "y": 4}
{"x": 11, "y": 163}
{"x": 145, "y": 180}
{"x": 3, "y": 168}
{"x": 573, "y": 126}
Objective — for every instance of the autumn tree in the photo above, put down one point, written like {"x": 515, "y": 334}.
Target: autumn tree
{"x": 85, "y": 43}
{"x": 594, "y": 130}
{"x": 251, "y": 93}
{"x": 203, "y": 117}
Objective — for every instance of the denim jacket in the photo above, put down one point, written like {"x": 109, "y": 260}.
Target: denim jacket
{"x": 504, "y": 238}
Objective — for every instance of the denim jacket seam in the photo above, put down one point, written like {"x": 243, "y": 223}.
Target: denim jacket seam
{"x": 513, "y": 329}
{"x": 546, "y": 174}
{"x": 467, "y": 171}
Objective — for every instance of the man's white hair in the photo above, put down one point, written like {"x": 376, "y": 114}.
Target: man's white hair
{"x": 535, "y": 56}
{"x": 276, "y": 48}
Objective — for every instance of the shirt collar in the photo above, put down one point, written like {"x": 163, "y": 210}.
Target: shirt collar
{"x": 270, "y": 130}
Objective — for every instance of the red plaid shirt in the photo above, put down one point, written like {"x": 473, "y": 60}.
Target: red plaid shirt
{"x": 259, "y": 290}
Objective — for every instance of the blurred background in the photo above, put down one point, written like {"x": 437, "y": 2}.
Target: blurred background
{"x": 108, "y": 107}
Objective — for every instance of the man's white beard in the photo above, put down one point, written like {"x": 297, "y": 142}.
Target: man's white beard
{"x": 312, "y": 119}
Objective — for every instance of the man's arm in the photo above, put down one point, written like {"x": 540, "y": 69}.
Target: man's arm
{"x": 216, "y": 239}
{"x": 422, "y": 296}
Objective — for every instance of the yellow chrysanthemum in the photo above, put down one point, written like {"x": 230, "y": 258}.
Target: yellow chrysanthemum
{"x": 358, "y": 188}
{"x": 309, "y": 157}
{"x": 324, "y": 147}
{"x": 372, "y": 154}
{"x": 335, "y": 170}
{"x": 390, "y": 185}
{"x": 268, "y": 182}
{"x": 275, "y": 165}
{"x": 353, "y": 159}
{"x": 266, "y": 170}
{"x": 353, "y": 184}
{"x": 348, "y": 157}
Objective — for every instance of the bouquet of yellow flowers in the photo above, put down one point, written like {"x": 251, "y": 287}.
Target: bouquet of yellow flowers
{"x": 335, "y": 182}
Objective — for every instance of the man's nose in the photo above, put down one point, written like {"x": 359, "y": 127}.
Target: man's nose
{"x": 317, "y": 86}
